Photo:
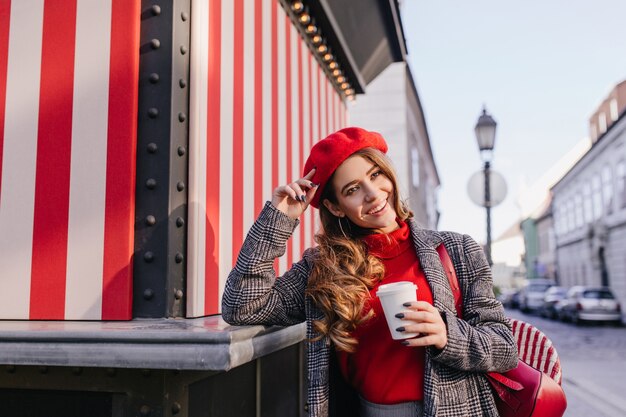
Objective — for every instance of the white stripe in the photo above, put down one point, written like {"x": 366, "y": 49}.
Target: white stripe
{"x": 329, "y": 97}
{"x": 226, "y": 145}
{"x": 17, "y": 203}
{"x": 83, "y": 294}
{"x": 337, "y": 110}
{"x": 306, "y": 126}
{"x": 248, "y": 116}
{"x": 267, "y": 98}
{"x": 282, "y": 128}
{"x": 196, "y": 239}
{"x": 322, "y": 87}
{"x": 295, "y": 130}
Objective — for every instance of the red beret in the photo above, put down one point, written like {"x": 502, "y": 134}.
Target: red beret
{"x": 327, "y": 154}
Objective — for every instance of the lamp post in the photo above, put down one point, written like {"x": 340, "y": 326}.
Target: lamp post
{"x": 486, "y": 136}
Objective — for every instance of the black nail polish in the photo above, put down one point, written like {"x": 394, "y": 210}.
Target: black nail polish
{"x": 303, "y": 198}
{"x": 314, "y": 184}
{"x": 405, "y": 342}
{"x": 400, "y": 315}
{"x": 407, "y": 304}
{"x": 400, "y": 329}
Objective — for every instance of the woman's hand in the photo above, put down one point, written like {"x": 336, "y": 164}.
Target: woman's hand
{"x": 428, "y": 323}
{"x": 293, "y": 199}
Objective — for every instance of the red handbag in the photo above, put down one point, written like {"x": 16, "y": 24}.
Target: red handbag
{"x": 520, "y": 392}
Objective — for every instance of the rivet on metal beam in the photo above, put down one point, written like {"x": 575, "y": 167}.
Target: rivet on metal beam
{"x": 153, "y": 112}
{"x": 148, "y": 294}
{"x": 182, "y": 83}
{"x": 180, "y": 186}
{"x": 179, "y": 257}
{"x": 156, "y": 10}
{"x": 180, "y": 222}
{"x": 145, "y": 410}
{"x": 176, "y": 408}
{"x": 183, "y": 49}
{"x": 155, "y": 43}
{"x": 182, "y": 117}
{"x": 184, "y": 16}
{"x": 178, "y": 294}
{"x": 181, "y": 150}
{"x": 152, "y": 147}
{"x": 151, "y": 183}
{"x": 150, "y": 220}
{"x": 148, "y": 256}
{"x": 154, "y": 78}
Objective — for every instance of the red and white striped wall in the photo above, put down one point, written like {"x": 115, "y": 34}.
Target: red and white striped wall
{"x": 258, "y": 103}
{"x": 68, "y": 123}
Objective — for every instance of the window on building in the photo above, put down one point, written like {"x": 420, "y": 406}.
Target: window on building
{"x": 578, "y": 208}
{"x": 571, "y": 215}
{"x": 587, "y": 204}
{"x": 602, "y": 122}
{"x": 620, "y": 173}
{"x": 415, "y": 167}
{"x": 607, "y": 189}
{"x": 596, "y": 195}
{"x": 613, "y": 106}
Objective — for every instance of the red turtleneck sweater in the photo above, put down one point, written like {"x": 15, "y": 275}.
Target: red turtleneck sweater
{"x": 382, "y": 369}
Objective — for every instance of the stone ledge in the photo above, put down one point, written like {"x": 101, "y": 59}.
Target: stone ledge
{"x": 207, "y": 343}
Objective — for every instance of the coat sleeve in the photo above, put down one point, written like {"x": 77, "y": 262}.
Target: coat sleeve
{"x": 482, "y": 340}
{"x": 253, "y": 294}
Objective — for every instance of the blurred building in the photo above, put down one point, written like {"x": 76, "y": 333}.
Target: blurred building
{"x": 589, "y": 206}
{"x": 507, "y": 252}
{"x": 392, "y": 107}
{"x": 535, "y": 202}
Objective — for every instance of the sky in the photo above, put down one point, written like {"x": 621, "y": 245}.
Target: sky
{"x": 539, "y": 67}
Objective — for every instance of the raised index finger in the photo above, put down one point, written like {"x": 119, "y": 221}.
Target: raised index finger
{"x": 310, "y": 174}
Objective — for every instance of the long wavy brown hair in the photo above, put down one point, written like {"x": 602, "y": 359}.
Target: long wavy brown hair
{"x": 344, "y": 271}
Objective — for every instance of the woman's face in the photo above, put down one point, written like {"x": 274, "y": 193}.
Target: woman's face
{"x": 364, "y": 195}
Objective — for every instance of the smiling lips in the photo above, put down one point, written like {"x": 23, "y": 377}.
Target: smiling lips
{"x": 378, "y": 208}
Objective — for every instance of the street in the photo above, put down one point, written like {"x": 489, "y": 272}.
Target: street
{"x": 593, "y": 362}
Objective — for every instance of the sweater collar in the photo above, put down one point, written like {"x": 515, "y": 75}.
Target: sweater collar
{"x": 389, "y": 245}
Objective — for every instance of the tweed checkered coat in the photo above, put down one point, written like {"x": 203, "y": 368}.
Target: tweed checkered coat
{"x": 454, "y": 384}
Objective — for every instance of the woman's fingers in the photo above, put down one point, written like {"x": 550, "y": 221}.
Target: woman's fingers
{"x": 310, "y": 174}
{"x": 427, "y": 322}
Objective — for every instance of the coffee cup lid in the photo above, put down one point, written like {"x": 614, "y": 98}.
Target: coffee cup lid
{"x": 395, "y": 287}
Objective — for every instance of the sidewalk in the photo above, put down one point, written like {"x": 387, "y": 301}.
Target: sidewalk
{"x": 594, "y": 390}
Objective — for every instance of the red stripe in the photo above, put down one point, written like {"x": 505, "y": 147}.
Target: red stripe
{"x": 541, "y": 356}
{"x": 288, "y": 120}
{"x": 212, "y": 252}
{"x": 237, "y": 130}
{"x": 5, "y": 17}
{"x": 533, "y": 348}
{"x": 311, "y": 139}
{"x": 54, "y": 143}
{"x": 47, "y": 298}
{"x": 258, "y": 106}
{"x": 319, "y": 104}
{"x": 275, "y": 101}
{"x": 301, "y": 135}
{"x": 117, "y": 283}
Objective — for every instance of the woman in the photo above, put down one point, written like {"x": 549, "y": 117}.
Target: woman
{"x": 369, "y": 237}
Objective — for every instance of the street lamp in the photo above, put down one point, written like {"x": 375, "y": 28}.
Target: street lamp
{"x": 486, "y": 136}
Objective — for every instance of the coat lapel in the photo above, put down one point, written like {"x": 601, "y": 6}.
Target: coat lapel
{"x": 426, "y": 243}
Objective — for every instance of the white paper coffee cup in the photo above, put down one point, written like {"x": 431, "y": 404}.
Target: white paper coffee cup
{"x": 392, "y": 296}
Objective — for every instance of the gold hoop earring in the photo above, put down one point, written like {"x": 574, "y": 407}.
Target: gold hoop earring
{"x": 341, "y": 227}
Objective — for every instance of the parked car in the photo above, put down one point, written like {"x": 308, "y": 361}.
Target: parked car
{"x": 532, "y": 293}
{"x": 593, "y": 304}
{"x": 551, "y": 298}
{"x": 509, "y": 297}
